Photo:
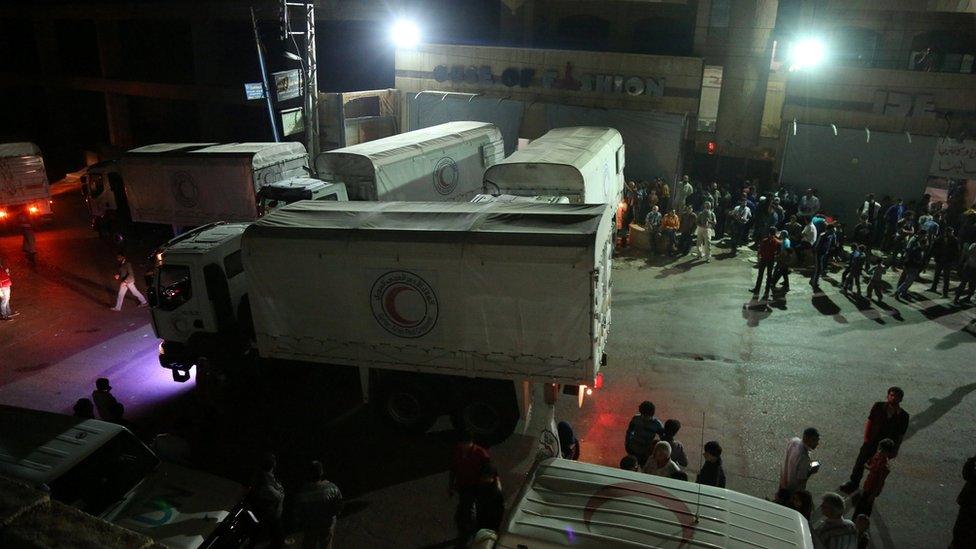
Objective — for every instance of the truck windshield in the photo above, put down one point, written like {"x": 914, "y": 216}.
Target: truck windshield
{"x": 175, "y": 288}
{"x": 105, "y": 476}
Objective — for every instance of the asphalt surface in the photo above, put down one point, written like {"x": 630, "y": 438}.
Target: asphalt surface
{"x": 686, "y": 335}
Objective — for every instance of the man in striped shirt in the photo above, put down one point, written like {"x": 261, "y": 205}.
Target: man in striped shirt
{"x": 834, "y": 531}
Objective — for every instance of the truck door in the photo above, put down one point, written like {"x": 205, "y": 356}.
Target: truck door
{"x": 219, "y": 292}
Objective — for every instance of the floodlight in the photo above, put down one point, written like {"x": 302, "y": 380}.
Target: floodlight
{"x": 405, "y": 34}
{"x": 806, "y": 53}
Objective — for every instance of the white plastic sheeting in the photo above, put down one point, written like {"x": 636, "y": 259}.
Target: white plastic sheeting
{"x": 440, "y": 163}
{"x": 19, "y": 149}
{"x": 427, "y": 109}
{"x": 504, "y": 290}
{"x": 583, "y": 163}
{"x": 23, "y": 179}
{"x": 193, "y": 183}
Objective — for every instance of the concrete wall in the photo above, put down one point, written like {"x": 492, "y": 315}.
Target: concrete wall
{"x": 845, "y": 167}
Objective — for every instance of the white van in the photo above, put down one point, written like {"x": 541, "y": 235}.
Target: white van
{"x": 571, "y": 504}
{"x": 583, "y": 163}
{"x": 104, "y": 470}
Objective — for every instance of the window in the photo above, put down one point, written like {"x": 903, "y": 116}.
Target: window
{"x": 233, "y": 265}
{"x": 175, "y": 288}
{"x": 105, "y": 476}
{"x": 710, "y": 92}
{"x": 331, "y": 196}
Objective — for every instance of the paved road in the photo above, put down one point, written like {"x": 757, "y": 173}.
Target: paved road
{"x": 685, "y": 336}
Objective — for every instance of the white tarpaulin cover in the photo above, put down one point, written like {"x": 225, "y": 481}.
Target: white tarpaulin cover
{"x": 574, "y": 504}
{"x": 23, "y": 179}
{"x": 440, "y": 163}
{"x": 504, "y": 290}
{"x": 427, "y": 109}
{"x": 197, "y": 183}
{"x": 584, "y": 163}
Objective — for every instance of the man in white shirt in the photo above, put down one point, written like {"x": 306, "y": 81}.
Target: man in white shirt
{"x": 870, "y": 208}
{"x": 797, "y": 468}
{"x": 809, "y": 204}
{"x": 741, "y": 215}
{"x": 834, "y": 531}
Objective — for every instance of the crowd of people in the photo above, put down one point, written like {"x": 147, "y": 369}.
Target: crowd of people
{"x": 790, "y": 230}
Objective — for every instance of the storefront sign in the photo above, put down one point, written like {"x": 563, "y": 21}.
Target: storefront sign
{"x": 954, "y": 159}
{"x": 553, "y": 79}
{"x": 287, "y": 84}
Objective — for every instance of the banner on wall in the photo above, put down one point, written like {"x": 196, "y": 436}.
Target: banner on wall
{"x": 954, "y": 159}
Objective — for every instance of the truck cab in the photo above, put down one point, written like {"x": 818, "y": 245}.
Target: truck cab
{"x": 284, "y": 192}
{"x": 198, "y": 294}
{"x": 104, "y": 194}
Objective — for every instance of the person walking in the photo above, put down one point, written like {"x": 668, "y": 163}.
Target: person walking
{"x": 6, "y": 282}
{"x": 660, "y": 464}
{"x": 892, "y": 216}
{"x": 822, "y": 249}
{"x": 945, "y": 252}
{"x": 268, "y": 499}
{"x": 768, "y": 249}
{"x": 318, "y": 504}
{"x": 877, "y": 474}
{"x": 964, "y": 529}
{"x": 105, "y": 402}
{"x": 689, "y": 223}
{"x": 712, "y": 473}
{"x": 464, "y": 478}
{"x": 885, "y": 420}
{"x": 642, "y": 432}
{"x": 670, "y": 224}
{"x": 914, "y": 261}
{"x": 834, "y": 531}
{"x": 967, "y": 275}
{"x": 785, "y": 259}
{"x": 797, "y": 466}
{"x": 705, "y": 223}
{"x": 855, "y": 265}
{"x": 740, "y": 215}
{"x": 876, "y": 282}
{"x": 127, "y": 283}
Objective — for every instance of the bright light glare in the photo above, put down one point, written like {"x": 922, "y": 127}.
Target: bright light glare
{"x": 806, "y": 53}
{"x": 405, "y": 34}
{"x": 32, "y": 209}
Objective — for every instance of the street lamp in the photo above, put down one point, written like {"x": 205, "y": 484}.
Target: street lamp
{"x": 405, "y": 34}
{"x": 806, "y": 53}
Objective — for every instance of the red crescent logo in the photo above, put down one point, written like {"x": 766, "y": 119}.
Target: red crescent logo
{"x": 389, "y": 305}
{"x": 647, "y": 491}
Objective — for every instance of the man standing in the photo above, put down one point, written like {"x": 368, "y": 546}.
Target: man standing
{"x": 642, "y": 432}
{"x": 891, "y": 217}
{"x": 464, "y": 478}
{"x": 689, "y": 222}
{"x": 809, "y": 204}
{"x": 797, "y": 467}
{"x": 269, "y": 498}
{"x": 967, "y": 275}
{"x": 885, "y": 420}
{"x": 740, "y": 215}
{"x": 821, "y": 253}
{"x": 834, "y": 531}
{"x": 653, "y": 225}
{"x": 318, "y": 505}
{"x": 869, "y": 209}
{"x": 670, "y": 224}
{"x": 768, "y": 248}
{"x": 127, "y": 283}
{"x": 105, "y": 402}
{"x": 5, "y": 283}
{"x": 682, "y": 191}
{"x": 808, "y": 237}
{"x": 914, "y": 261}
{"x": 705, "y": 228}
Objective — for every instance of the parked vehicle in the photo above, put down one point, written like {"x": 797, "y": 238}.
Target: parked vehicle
{"x": 24, "y": 188}
{"x": 568, "y": 503}
{"x": 104, "y": 194}
{"x": 445, "y": 308}
{"x": 104, "y": 470}
{"x": 191, "y": 184}
{"x": 585, "y": 164}
{"x": 439, "y": 163}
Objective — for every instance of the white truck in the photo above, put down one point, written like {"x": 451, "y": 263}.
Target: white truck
{"x": 582, "y": 505}
{"x": 191, "y": 184}
{"x": 585, "y": 164}
{"x": 102, "y": 469}
{"x": 24, "y": 188}
{"x": 446, "y": 308}
{"x": 439, "y": 163}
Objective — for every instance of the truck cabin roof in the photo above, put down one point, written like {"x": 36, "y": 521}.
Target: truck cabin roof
{"x": 203, "y": 238}
{"x": 574, "y": 146}
{"x": 498, "y": 222}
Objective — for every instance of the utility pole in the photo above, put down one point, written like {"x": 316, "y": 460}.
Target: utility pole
{"x": 310, "y": 110}
{"x": 264, "y": 80}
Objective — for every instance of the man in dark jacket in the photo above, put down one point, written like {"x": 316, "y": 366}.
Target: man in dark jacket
{"x": 127, "y": 283}
{"x": 643, "y": 432}
{"x": 945, "y": 252}
{"x": 886, "y": 420}
{"x": 768, "y": 248}
{"x": 823, "y": 247}
{"x": 268, "y": 499}
{"x": 689, "y": 224}
{"x": 711, "y": 473}
{"x": 964, "y": 531}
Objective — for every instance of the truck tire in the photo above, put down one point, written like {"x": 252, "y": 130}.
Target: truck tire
{"x": 407, "y": 407}
{"x": 489, "y": 417}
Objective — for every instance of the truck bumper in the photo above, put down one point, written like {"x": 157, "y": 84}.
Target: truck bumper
{"x": 176, "y": 357}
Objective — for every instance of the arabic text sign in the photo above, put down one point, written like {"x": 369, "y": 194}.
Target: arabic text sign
{"x": 955, "y": 159}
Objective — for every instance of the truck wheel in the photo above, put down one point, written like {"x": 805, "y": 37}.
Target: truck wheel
{"x": 408, "y": 407}
{"x": 489, "y": 419}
